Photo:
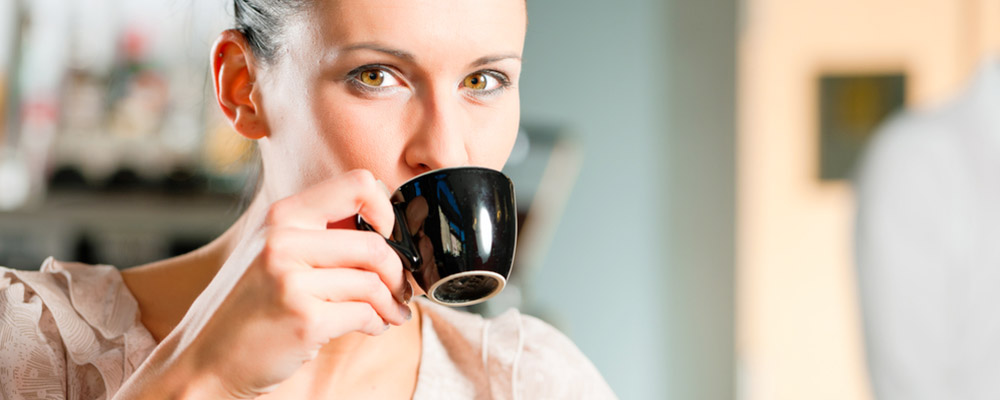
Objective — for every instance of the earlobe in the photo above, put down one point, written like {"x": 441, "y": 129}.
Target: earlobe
{"x": 235, "y": 85}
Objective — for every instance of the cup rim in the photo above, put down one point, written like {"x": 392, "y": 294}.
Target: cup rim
{"x": 497, "y": 276}
{"x": 439, "y": 170}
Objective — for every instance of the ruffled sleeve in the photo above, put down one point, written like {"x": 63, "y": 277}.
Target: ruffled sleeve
{"x": 68, "y": 331}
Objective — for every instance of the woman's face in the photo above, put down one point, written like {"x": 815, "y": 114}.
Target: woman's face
{"x": 396, "y": 87}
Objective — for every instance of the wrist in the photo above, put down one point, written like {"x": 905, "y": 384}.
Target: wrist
{"x": 199, "y": 387}
{"x": 171, "y": 374}
{"x": 194, "y": 380}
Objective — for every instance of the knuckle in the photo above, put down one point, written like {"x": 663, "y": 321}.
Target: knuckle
{"x": 362, "y": 177}
{"x": 371, "y": 284}
{"x": 376, "y": 248}
{"x": 269, "y": 260}
{"x": 305, "y": 326}
{"x": 368, "y": 318}
{"x": 287, "y": 287}
{"x": 279, "y": 211}
{"x": 311, "y": 327}
{"x": 275, "y": 244}
{"x": 363, "y": 181}
{"x": 295, "y": 311}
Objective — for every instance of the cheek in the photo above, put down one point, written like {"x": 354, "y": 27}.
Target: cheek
{"x": 490, "y": 146}
{"x": 358, "y": 135}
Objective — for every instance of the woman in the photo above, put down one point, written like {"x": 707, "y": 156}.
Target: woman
{"x": 344, "y": 98}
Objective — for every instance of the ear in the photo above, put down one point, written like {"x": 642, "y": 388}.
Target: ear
{"x": 235, "y": 86}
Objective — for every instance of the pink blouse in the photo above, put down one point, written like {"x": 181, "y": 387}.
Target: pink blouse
{"x": 72, "y": 331}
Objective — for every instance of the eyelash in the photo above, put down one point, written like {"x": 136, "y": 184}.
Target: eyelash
{"x": 504, "y": 83}
{"x": 352, "y": 78}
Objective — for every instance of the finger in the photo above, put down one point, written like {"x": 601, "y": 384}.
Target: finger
{"x": 346, "y": 317}
{"x": 338, "y": 248}
{"x": 336, "y": 199}
{"x": 353, "y": 285}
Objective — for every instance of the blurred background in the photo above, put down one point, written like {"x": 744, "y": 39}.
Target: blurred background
{"x": 684, "y": 167}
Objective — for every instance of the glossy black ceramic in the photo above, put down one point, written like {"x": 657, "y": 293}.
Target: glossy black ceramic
{"x": 455, "y": 231}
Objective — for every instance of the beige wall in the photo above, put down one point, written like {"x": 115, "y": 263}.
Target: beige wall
{"x": 798, "y": 326}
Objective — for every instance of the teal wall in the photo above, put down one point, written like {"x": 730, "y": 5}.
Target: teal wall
{"x": 640, "y": 271}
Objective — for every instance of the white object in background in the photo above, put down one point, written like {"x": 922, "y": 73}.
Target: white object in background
{"x": 928, "y": 249}
{"x": 15, "y": 182}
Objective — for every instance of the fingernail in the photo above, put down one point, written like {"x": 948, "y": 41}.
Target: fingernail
{"x": 407, "y": 290}
{"x": 405, "y": 311}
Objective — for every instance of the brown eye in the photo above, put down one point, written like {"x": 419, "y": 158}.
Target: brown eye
{"x": 475, "y": 81}
{"x": 372, "y": 77}
{"x": 375, "y": 77}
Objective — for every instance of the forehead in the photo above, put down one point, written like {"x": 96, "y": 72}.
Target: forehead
{"x": 426, "y": 28}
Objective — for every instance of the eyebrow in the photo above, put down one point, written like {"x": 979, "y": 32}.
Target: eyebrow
{"x": 492, "y": 59}
{"x": 381, "y": 49}
{"x": 410, "y": 57}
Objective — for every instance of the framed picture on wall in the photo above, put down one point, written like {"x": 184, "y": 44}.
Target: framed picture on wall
{"x": 851, "y": 108}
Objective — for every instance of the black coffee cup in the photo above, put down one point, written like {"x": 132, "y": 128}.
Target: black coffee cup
{"x": 455, "y": 231}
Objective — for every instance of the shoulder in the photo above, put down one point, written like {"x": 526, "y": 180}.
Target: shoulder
{"x": 512, "y": 355}
{"x": 69, "y": 330}
{"x": 916, "y": 143}
{"x": 907, "y": 138}
{"x": 917, "y": 158}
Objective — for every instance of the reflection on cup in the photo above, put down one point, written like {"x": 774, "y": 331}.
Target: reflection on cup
{"x": 460, "y": 228}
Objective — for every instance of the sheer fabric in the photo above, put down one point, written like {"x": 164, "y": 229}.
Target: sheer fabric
{"x": 68, "y": 331}
{"x": 72, "y": 331}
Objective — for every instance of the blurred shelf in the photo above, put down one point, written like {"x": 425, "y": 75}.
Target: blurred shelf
{"x": 196, "y": 211}
{"x": 122, "y": 229}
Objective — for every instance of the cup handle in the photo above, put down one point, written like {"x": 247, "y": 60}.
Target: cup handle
{"x": 400, "y": 239}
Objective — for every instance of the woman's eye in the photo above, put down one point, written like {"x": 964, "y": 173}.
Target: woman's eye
{"x": 481, "y": 81}
{"x": 376, "y": 77}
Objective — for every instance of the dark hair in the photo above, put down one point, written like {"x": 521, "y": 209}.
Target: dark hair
{"x": 261, "y": 22}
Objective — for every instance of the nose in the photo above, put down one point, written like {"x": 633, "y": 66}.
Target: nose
{"x": 439, "y": 136}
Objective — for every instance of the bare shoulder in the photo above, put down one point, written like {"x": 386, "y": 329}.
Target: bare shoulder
{"x": 166, "y": 289}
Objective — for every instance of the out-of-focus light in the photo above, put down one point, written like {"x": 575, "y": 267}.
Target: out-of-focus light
{"x": 15, "y": 182}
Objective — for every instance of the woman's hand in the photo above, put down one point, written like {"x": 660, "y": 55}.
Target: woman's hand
{"x": 291, "y": 287}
